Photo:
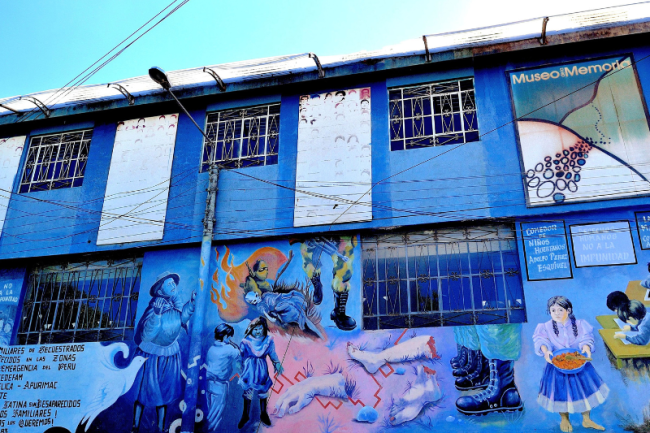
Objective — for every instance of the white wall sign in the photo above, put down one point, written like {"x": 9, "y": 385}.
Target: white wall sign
{"x": 333, "y": 169}
{"x": 602, "y": 244}
{"x": 10, "y": 151}
{"x": 138, "y": 181}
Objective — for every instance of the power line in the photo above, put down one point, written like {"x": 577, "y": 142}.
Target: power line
{"x": 79, "y": 81}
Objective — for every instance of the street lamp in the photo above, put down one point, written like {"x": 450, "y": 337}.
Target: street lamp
{"x": 159, "y": 76}
{"x": 195, "y": 352}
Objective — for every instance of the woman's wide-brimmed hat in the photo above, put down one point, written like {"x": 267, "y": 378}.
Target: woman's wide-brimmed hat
{"x": 161, "y": 279}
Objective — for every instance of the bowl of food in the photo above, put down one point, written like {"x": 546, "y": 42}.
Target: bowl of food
{"x": 569, "y": 361}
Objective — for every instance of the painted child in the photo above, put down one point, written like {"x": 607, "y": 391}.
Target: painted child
{"x": 222, "y": 359}
{"x": 255, "y": 347}
{"x": 568, "y": 393}
{"x": 635, "y": 314}
{"x": 283, "y": 308}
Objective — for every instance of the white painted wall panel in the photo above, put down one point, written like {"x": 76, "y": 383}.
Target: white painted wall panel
{"x": 334, "y": 168}
{"x": 10, "y": 151}
{"x": 138, "y": 181}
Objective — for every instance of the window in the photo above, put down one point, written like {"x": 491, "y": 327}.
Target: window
{"x": 242, "y": 137}
{"x": 450, "y": 277}
{"x": 56, "y": 161}
{"x": 92, "y": 301}
{"x": 433, "y": 115}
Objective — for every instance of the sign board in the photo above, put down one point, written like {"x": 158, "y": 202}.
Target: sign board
{"x": 583, "y": 131}
{"x": 602, "y": 244}
{"x": 546, "y": 251}
{"x": 643, "y": 227}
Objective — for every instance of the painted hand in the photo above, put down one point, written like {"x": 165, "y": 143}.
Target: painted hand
{"x": 278, "y": 367}
{"x": 547, "y": 357}
{"x": 626, "y": 328}
{"x": 619, "y": 335}
{"x": 586, "y": 350}
{"x": 158, "y": 305}
{"x": 302, "y": 393}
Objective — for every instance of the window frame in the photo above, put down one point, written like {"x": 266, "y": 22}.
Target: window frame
{"x": 432, "y": 139}
{"x": 271, "y": 117}
{"x": 95, "y": 290}
{"x": 76, "y": 180}
{"x": 508, "y": 306}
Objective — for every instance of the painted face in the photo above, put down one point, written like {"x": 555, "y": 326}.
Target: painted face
{"x": 226, "y": 339}
{"x": 262, "y": 271}
{"x": 168, "y": 287}
{"x": 258, "y": 331}
{"x": 559, "y": 314}
{"x": 632, "y": 321}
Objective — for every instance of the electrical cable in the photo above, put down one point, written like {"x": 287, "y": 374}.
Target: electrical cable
{"x": 66, "y": 90}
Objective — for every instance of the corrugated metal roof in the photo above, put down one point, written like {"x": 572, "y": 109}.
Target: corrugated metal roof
{"x": 295, "y": 64}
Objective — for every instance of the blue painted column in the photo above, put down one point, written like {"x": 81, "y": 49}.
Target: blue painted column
{"x": 195, "y": 354}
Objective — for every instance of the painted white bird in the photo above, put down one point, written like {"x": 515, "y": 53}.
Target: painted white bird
{"x": 110, "y": 381}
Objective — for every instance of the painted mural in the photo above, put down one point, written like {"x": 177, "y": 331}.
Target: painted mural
{"x": 583, "y": 131}
{"x": 284, "y": 351}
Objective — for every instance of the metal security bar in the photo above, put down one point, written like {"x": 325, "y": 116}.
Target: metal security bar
{"x": 242, "y": 137}
{"x": 93, "y": 301}
{"x": 56, "y": 161}
{"x": 448, "y": 277}
{"x": 433, "y": 115}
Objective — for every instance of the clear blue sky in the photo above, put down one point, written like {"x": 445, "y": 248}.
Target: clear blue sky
{"x": 45, "y": 43}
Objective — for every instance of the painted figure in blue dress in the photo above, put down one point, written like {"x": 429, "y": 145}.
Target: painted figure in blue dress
{"x": 284, "y": 309}
{"x": 158, "y": 383}
{"x": 255, "y": 347}
{"x": 222, "y": 359}
{"x": 634, "y": 314}
{"x": 568, "y": 393}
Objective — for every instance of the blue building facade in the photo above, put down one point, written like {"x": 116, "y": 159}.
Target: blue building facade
{"x": 453, "y": 239}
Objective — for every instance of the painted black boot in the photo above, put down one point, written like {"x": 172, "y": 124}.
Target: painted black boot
{"x": 478, "y": 377}
{"x": 264, "y": 416}
{"x": 342, "y": 321}
{"x": 501, "y": 395}
{"x": 317, "y": 296}
{"x": 470, "y": 365}
{"x": 245, "y": 416}
{"x": 459, "y": 360}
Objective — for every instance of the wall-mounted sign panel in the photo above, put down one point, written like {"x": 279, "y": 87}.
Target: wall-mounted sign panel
{"x": 643, "y": 227}
{"x": 602, "y": 244}
{"x": 546, "y": 251}
{"x": 138, "y": 181}
{"x": 333, "y": 169}
{"x": 10, "y": 151}
{"x": 583, "y": 131}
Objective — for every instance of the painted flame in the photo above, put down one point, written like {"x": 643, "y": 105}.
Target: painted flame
{"x": 229, "y": 297}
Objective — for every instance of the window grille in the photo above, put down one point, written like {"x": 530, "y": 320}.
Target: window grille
{"x": 93, "y": 301}
{"x": 242, "y": 137}
{"x": 433, "y": 114}
{"x": 56, "y": 161}
{"x": 451, "y": 277}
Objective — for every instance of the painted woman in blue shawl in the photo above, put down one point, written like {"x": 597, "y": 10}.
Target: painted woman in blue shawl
{"x": 159, "y": 381}
{"x": 255, "y": 347}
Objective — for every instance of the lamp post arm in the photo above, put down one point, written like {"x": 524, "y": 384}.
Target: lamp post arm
{"x": 189, "y": 115}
